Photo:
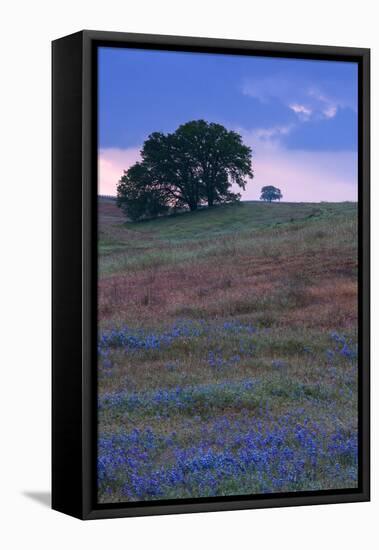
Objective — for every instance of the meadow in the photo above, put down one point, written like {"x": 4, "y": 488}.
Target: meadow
{"x": 227, "y": 351}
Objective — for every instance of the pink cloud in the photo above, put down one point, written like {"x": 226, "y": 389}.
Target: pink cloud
{"x": 306, "y": 177}
{"x": 111, "y": 166}
{"x": 303, "y": 98}
{"x": 309, "y": 176}
{"x": 302, "y": 111}
{"x": 330, "y": 112}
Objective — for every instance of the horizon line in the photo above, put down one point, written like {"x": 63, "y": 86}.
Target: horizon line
{"x": 257, "y": 200}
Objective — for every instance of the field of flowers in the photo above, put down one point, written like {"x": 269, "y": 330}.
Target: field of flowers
{"x": 227, "y": 352}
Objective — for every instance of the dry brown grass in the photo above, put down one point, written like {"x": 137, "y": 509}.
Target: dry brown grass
{"x": 310, "y": 291}
{"x": 296, "y": 274}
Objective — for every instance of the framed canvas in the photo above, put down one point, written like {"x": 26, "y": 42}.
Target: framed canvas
{"x": 210, "y": 275}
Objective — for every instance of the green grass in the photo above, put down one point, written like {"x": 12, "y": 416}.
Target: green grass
{"x": 250, "y": 227}
{"x": 233, "y": 219}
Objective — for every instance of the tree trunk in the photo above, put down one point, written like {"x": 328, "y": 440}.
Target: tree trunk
{"x": 210, "y": 196}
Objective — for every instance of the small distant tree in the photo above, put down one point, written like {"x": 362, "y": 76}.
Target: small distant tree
{"x": 271, "y": 193}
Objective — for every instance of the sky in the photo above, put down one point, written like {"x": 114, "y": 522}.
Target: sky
{"x": 298, "y": 116}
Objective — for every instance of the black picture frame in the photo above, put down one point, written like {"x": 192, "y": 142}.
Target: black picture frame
{"x": 74, "y": 319}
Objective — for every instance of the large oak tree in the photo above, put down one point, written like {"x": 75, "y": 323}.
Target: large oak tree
{"x": 196, "y": 164}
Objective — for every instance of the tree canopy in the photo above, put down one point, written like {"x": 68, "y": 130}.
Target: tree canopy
{"x": 197, "y": 164}
{"x": 270, "y": 193}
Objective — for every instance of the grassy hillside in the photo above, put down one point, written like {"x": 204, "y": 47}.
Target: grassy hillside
{"x": 227, "y": 351}
{"x": 221, "y": 220}
{"x": 252, "y": 258}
